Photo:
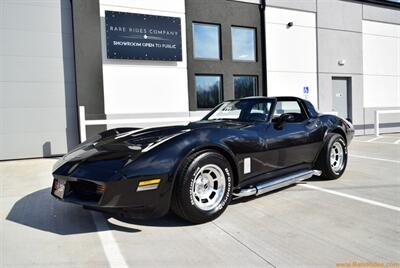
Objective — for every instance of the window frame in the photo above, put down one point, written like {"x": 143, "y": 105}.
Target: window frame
{"x": 257, "y": 90}
{"x": 221, "y": 91}
{"x": 255, "y": 43}
{"x": 219, "y": 41}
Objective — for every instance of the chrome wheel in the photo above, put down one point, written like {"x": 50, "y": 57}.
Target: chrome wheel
{"x": 337, "y": 157}
{"x": 208, "y": 187}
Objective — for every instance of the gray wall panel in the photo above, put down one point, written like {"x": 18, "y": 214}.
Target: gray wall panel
{"x": 36, "y": 69}
{"x": 383, "y": 14}
{"x": 325, "y": 94}
{"x": 41, "y": 3}
{"x": 388, "y": 122}
{"x": 306, "y": 5}
{"x": 38, "y": 114}
{"x": 340, "y": 15}
{"x": 335, "y": 45}
{"x": 35, "y": 44}
{"x": 36, "y": 18}
{"x": 226, "y": 14}
{"x": 339, "y": 34}
{"x": 37, "y": 95}
{"x": 89, "y": 68}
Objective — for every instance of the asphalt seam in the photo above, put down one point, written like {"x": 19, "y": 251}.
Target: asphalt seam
{"x": 243, "y": 244}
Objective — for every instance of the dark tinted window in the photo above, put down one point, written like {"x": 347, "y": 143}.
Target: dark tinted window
{"x": 245, "y": 86}
{"x": 208, "y": 90}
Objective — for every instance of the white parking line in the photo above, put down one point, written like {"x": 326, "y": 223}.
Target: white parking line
{"x": 375, "y": 142}
{"x": 374, "y": 158}
{"x": 397, "y": 142}
{"x": 360, "y": 199}
{"x": 374, "y": 139}
{"x": 110, "y": 246}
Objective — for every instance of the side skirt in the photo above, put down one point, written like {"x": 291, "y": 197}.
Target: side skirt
{"x": 276, "y": 183}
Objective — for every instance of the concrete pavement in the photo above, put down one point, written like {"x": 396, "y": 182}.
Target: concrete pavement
{"x": 294, "y": 227}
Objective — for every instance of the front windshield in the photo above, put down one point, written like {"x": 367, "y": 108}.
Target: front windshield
{"x": 228, "y": 110}
{"x": 243, "y": 110}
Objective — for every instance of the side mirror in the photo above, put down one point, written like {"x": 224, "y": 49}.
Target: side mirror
{"x": 287, "y": 118}
{"x": 282, "y": 119}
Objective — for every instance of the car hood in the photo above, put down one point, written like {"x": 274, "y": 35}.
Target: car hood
{"x": 101, "y": 158}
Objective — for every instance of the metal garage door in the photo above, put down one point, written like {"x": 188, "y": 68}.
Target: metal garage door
{"x": 37, "y": 81}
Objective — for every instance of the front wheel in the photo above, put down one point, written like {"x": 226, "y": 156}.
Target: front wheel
{"x": 332, "y": 160}
{"x": 203, "y": 188}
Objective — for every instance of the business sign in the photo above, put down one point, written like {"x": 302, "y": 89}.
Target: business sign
{"x": 143, "y": 37}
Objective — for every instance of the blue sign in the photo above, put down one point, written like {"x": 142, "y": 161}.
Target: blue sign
{"x": 143, "y": 37}
{"x": 306, "y": 90}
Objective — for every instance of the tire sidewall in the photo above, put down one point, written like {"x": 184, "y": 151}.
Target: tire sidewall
{"x": 189, "y": 180}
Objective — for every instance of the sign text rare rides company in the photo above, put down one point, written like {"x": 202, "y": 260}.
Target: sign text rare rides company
{"x": 143, "y": 37}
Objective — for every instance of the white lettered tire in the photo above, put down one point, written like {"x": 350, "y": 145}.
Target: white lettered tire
{"x": 203, "y": 187}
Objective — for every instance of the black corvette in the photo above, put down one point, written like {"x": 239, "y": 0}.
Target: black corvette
{"x": 241, "y": 148}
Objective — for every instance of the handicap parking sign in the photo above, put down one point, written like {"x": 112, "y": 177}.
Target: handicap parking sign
{"x": 306, "y": 90}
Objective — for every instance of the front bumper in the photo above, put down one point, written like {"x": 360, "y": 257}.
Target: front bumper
{"x": 117, "y": 197}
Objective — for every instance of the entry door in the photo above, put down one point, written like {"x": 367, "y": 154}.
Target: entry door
{"x": 340, "y": 96}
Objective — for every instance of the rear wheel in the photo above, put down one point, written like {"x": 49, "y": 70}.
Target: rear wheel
{"x": 332, "y": 160}
{"x": 203, "y": 188}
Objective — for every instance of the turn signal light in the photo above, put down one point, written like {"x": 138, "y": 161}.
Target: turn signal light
{"x": 100, "y": 188}
{"x": 148, "y": 185}
{"x": 149, "y": 182}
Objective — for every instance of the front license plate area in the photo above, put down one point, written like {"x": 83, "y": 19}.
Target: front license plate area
{"x": 59, "y": 188}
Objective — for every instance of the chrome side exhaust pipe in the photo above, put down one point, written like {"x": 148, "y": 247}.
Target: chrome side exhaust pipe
{"x": 276, "y": 183}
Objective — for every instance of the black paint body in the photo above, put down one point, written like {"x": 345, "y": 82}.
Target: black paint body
{"x": 120, "y": 158}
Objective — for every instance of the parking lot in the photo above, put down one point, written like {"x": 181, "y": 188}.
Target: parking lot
{"x": 350, "y": 221}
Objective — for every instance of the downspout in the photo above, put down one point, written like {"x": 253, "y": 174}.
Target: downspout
{"x": 263, "y": 48}
{"x": 76, "y": 83}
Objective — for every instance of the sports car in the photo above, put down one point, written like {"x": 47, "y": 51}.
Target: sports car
{"x": 241, "y": 148}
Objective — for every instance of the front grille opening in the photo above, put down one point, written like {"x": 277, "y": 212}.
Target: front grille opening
{"x": 85, "y": 190}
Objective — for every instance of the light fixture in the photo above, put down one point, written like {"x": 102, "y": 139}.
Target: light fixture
{"x": 341, "y": 62}
{"x": 289, "y": 24}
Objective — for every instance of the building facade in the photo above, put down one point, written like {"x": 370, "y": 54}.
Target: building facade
{"x": 156, "y": 60}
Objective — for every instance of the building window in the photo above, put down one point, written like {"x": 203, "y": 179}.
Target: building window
{"x": 208, "y": 90}
{"x": 206, "y": 44}
{"x": 243, "y": 44}
{"x": 245, "y": 85}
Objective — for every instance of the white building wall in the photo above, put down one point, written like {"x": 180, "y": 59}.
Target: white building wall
{"x": 133, "y": 87}
{"x": 291, "y": 53}
{"x": 381, "y": 64}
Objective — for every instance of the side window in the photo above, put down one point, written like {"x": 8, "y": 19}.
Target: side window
{"x": 259, "y": 111}
{"x": 290, "y": 107}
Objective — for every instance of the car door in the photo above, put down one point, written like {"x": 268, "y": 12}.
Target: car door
{"x": 288, "y": 141}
